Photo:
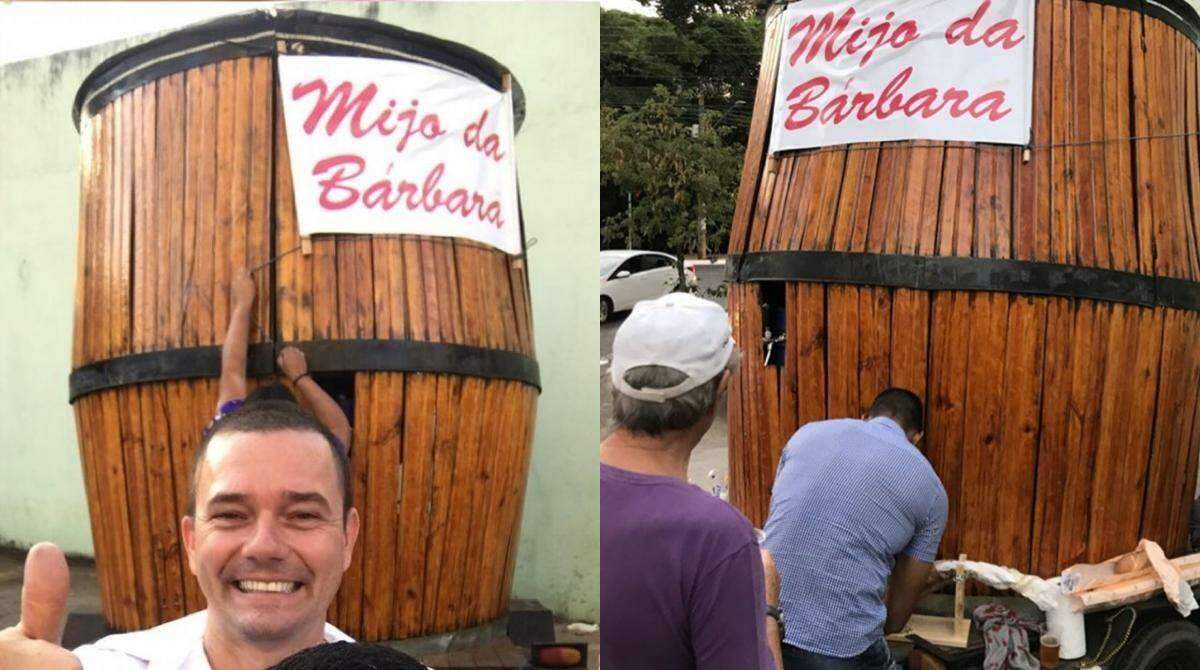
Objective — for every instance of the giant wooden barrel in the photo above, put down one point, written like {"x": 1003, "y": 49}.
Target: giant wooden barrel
{"x": 185, "y": 179}
{"x": 1045, "y": 310}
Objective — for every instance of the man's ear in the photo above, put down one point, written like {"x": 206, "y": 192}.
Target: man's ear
{"x": 351, "y": 535}
{"x": 723, "y": 385}
{"x": 187, "y": 525}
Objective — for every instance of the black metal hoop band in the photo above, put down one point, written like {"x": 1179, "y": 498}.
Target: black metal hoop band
{"x": 945, "y": 273}
{"x": 321, "y": 355}
{"x": 255, "y": 34}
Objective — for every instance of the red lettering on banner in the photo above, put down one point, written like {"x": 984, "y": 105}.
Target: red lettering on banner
{"x": 343, "y": 102}
{"x": 488, "y": 146}
{"x": 337, "y": 193}
{"x": 806, "y": 106}
{"x": 1006, "y": 33}
{"x": 824, "y": 37}
{"x": 333, "y": 183}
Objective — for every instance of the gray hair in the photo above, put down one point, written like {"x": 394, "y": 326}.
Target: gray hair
{"x": 656, "y": 418}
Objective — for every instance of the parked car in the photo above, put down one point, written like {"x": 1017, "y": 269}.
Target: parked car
{"x": 627, "y": 277}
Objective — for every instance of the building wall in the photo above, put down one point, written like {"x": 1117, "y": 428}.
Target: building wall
{"x": 553, "y": 50}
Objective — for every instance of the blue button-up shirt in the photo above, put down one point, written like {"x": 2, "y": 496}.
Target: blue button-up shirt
{"x": 849, "y": 497}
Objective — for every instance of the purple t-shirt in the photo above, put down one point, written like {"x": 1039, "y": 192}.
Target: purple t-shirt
{"x": 681, "y": 579}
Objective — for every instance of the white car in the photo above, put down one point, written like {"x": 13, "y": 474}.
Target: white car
{"x": 627, "y": 277}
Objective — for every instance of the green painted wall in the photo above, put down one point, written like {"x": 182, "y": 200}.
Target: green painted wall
{"x": 553, "y": 50}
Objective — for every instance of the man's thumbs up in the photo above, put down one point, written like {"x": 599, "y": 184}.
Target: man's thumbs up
{"x": 44, "y": 593}
{"x": 33, "y": 643}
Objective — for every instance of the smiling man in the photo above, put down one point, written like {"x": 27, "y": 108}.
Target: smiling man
{"x": 270, "y": 530}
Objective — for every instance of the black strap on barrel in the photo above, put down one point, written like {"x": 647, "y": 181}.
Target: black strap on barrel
{"x": 321, "y": 355}
{"x": 944, "y": 273}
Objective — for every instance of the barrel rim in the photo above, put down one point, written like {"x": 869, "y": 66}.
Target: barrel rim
{"x": 255, "y": 33}
{"x": 355, "y": 355}
{"x": 1176, "y": 13}
{"x": 958, "y": 273}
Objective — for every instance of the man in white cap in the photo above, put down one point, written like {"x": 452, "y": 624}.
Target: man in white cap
{"x": 681, "y": 573}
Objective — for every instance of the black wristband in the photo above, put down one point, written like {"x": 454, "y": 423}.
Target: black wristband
{"x": 774, "y": 612}
{"x": 298, "y": 378}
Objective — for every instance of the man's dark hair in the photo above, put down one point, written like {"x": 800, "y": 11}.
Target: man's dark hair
{"x": 901, "y": 405}
{"x": 349, "y": 656}
{"x": 265, "y": 416}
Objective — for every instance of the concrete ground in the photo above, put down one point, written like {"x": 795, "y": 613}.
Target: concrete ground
{"x": 709, "y": 466}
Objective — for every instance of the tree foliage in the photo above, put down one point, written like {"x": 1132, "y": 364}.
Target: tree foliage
{"x": 711, "y": 64}
{"x": 677, "y": 175}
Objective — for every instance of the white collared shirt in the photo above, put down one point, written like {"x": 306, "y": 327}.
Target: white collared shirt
{"x": 175, "y": 645}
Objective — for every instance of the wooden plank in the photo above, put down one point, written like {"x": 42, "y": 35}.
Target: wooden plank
{"x": 87, "y": 415}
{"x": 163, "y": 516}
{"x": 381, "y": 505}
{"x": 170, "y": 139}
{"x": 1015, "y": 461}
{"x": 752, "y": 165}
{"x": 466, "y": 463}
{"x": 1172, "y": 430}
{"x": 948, "y": 373}
{"x": 239, "y": 166}
{"x": 113, "y": 478}
{"x": 203, "y": 278}
{"x": 258, "y": 247}
{"x": 874, "y": 346}
{"x": 414, "y": 289}
{"x": 445, "y": 449}
{"x": 1119, "y": 155}
{"x": 1142, "y": 153}
{"x": 979, "y": 503}
{"x": 842, "y": 308}
{"x": 138, "y": 257}
{"x": 421, "y": 429}
{"x": 223, "y": 266}
{"x": 121, "y": 298}
{"x": 183, "y": 410}
{"x": 288, "y": 268}
{"x": 1063, "y": 194}
{"x": 810, "y": 344}
{"x": 854, "y": 202}
{"x": 529, "y": 417}
{"x": 910, "y": 341}
{"x": 144, "y": 589}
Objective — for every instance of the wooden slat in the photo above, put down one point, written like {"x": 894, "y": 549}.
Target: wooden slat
{"x": 421, "y": 411}
{"x": 381, "y": 506}
{"x": 445, "y": 449}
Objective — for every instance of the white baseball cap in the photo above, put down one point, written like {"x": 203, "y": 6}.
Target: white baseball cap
{"x": 677, "y": 331}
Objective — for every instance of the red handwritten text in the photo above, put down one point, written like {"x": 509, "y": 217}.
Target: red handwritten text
{"x": 807, "y": 106}
{"x": 338, "y": 192}
{"x": 826, "y": 38}
{"x": 1006, "y": 33}
{"x": 474, "y": 138}
{"x": 365, "y": 116}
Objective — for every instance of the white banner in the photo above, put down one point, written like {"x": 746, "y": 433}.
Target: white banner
{"x": 386, "y": 146}
{"x": 879, "y": 70}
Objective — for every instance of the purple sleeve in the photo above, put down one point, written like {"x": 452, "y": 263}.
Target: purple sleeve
{"x": 728, "y": 615}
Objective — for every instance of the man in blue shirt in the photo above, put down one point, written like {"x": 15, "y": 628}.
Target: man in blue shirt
{"x": 857, "y": 514}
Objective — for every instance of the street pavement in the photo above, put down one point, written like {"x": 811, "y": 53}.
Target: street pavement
{"x": 711, "y": 456}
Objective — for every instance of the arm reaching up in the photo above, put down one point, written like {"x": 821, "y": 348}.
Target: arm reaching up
{"x": 291, "y": 361}
{"x": 34, "y": 643}
{"x": 233, "y": 349}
